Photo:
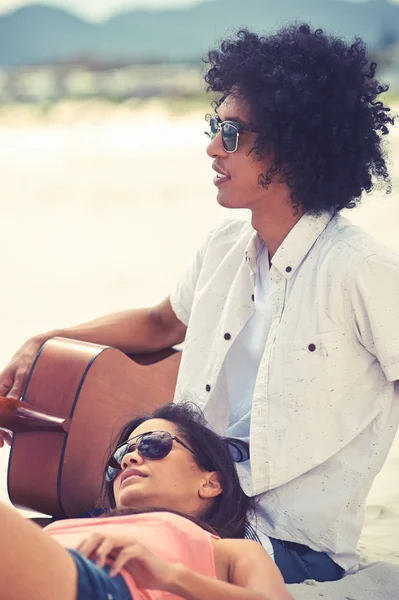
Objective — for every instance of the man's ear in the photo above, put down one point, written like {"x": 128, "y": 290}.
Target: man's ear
{"x": 210, "y": 486}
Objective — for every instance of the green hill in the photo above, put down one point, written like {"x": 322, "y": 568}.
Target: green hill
{"x": 38, "y": 34}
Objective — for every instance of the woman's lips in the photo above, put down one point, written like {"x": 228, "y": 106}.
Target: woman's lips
{"x": 131, "y": 474}
{"x": 130, "y": 478}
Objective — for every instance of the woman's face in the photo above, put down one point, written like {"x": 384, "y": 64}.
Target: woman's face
{"x": 174, "y": 482}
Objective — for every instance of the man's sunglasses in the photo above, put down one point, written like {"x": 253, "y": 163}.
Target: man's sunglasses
{"x": 230, "y": 132}
{"x": 153, "y": 445}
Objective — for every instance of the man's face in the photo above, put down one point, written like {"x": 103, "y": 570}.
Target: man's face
{"x": 240, "y": 188}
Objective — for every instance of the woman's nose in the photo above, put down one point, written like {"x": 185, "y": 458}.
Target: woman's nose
{"x": 131, "y": 458}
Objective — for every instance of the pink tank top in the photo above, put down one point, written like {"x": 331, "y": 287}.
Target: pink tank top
{"x": 169, "y": 536}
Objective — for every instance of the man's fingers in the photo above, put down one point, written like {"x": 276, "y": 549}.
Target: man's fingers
{"x": 5, "y": 436}
{"x": 16, "y": 391}
{"x": 5, "y": 386}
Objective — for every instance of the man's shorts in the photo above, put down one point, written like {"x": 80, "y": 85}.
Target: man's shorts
{"x": 94, "y": 583}
{"x": 298, "y": 563}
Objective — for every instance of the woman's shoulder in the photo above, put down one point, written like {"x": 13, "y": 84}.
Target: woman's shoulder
{"x": 233, "y": 550}
{"x": 236, "y": 546}
{"x": 229, "y": 553}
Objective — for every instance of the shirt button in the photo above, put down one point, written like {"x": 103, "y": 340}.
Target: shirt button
{"x": 311, "y": 347}
{"x": 208, "y": 387}
{"x": 288, "y": 269}
{"x": 227, "y": 336}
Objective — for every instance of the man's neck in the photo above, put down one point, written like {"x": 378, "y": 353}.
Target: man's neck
{"x": 274, "y": 226}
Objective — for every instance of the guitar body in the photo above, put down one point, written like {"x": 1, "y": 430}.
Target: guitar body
{"x": 99, "y": 389}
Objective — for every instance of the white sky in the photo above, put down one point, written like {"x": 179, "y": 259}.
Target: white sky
{"x": 100, "y": 9}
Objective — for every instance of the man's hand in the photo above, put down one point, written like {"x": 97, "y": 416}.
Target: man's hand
{"x": 147, "y": 570}
{"x": 13, "y": 377}
{"x": 5, "y": 437}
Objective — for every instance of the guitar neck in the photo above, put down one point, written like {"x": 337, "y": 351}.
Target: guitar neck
{"x": 20, "y": 417}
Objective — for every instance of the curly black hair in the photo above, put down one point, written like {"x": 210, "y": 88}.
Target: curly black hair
{"x": 313, "y": 102}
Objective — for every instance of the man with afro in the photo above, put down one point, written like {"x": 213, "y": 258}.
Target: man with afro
{"x": 291, "y": 320}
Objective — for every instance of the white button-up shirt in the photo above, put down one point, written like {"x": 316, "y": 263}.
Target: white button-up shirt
{"x": 325, "y": 407}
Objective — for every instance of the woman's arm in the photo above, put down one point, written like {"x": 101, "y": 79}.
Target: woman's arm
{"x": 252, "y": 576}
{"x": 251, "y": 572}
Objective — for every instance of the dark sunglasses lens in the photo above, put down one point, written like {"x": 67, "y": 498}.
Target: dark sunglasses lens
{"x": 213, "y": 127}
{"x": 229, "y": 137}
{"x": 155, "y": 445}
{"x": 114, "y": 465}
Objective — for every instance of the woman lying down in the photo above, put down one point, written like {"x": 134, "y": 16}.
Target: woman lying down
{"x": 175, "y": 530}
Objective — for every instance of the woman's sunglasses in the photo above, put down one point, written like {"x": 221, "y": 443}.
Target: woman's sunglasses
{"x": 230, "y": 132}
{"x": 153, "y": 445}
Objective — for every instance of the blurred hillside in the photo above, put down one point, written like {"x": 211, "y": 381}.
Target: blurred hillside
{"x": 48, "y": 54}
{"x": 38, "y": 34}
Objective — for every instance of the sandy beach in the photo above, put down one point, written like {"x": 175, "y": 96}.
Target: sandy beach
{"x": 102, "y": 213}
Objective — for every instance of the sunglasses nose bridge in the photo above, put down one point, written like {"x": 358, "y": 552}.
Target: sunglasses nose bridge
{"x": 132, "y": 455}
{"x": 216, "y": 145}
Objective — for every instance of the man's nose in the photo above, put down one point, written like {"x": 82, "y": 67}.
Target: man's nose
{"x": 215, "y": 147}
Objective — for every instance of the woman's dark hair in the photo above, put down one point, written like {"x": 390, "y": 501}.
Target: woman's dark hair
{"x": 313, "y": 101}
{"x": 228, "y": 514}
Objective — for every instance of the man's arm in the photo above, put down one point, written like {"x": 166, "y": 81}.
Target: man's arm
{"x": 141, "y": 330}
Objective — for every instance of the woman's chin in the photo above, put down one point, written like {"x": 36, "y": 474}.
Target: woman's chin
{"x": 129, "y": 498}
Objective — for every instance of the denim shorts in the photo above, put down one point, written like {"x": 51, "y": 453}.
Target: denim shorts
{"x": 94, "y": 583}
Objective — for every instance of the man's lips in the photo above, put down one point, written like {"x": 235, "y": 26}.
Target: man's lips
{"x": 216, "y": 168}
{"x": 221, "y": 177}
{"x": 131, "y": 473}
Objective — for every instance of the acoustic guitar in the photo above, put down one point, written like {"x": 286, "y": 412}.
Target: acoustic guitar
{"x": 77, "y": 398}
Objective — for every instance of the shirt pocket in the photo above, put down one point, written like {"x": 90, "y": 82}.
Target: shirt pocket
{"x": 312, "y": 369}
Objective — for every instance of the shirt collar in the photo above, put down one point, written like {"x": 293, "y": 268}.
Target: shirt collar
{"x": 293, "y": 248}
{"x": 298, "y": 242}
{"x": 252, "y": 250}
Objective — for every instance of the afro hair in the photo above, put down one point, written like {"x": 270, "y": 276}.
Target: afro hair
{"x": 313, "y": 103}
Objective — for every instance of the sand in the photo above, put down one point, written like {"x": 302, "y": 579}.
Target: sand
{"x": 377, "y": 581}
{"x": 101, "y": 212}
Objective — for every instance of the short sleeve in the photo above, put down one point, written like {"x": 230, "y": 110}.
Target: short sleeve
{"x": 375, "y": 303}
{"x": 182, "y": 297}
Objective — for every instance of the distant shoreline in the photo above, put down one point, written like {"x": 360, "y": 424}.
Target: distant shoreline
{"x": 68, "y": 111}
{"x": 98, "y": 109}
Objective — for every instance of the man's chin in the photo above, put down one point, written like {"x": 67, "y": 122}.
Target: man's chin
{"x": 228, "y": 201}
